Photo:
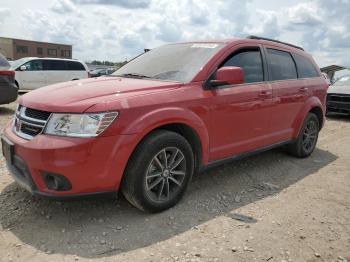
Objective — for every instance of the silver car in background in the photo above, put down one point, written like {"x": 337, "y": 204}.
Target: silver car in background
{"x": 338, "y": 96}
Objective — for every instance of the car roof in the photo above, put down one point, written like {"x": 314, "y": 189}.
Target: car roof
{"x": 251, "y": 40}
{"x": 53, "y": 58}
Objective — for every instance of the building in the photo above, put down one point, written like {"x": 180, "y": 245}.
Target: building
{"x": 14, "y": 49}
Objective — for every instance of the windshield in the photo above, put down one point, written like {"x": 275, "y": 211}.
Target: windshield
{"x": 343, "y": 81}
{"x": 18, "y": 63}
{"x": 176, "y": 62}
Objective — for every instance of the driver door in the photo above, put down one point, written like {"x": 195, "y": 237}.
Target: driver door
{"x": 240, "y": 115}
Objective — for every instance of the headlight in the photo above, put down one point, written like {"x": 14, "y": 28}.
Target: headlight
{"x": 79, "y": 125}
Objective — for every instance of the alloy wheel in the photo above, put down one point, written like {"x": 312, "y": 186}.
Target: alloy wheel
{"x": 165, "y": 174}
{"x": 310, "y": 136}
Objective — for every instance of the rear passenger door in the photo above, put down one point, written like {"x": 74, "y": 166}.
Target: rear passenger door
{"x": 55, "y": 71}
{"x": 289, "y": 93}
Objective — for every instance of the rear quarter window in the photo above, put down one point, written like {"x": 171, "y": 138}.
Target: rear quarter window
{"x": 281, "y": 65}
{"x": 75, "y": 66}
{"x": 305, "y": 67}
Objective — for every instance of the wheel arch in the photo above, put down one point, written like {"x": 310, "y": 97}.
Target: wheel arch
{"x": 190, "y": 135}
{"x": 319, "y": 113}
{"x": 182, "y": 121}
{"x": 312, "y": 105}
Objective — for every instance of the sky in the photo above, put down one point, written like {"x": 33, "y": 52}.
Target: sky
{"x": 117, "y": 30}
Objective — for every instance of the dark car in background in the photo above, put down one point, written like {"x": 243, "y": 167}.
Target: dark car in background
{"x": 8, "y": 88}
{"x": 101, "y": 72}
{"x": 338, "y": 96}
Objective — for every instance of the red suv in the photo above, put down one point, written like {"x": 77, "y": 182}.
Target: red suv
{"x": 164, "y": 116}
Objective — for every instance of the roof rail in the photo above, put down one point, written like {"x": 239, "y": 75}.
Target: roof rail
{"x": 273, "y": 40}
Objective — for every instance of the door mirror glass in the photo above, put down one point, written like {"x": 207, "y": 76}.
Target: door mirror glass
{"x": 228, "y": 75}
{"x": 23, "y": 68}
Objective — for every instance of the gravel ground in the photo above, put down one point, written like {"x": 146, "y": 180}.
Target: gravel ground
{"x": 270, "y": 207}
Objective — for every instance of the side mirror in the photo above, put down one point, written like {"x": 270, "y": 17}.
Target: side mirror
{"x": 23, "y": 68}
{"x": 228, "y": 75}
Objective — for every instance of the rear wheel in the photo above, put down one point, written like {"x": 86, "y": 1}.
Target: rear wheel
{"x": 159, "y": 171}
{"x": 307, "y": 139}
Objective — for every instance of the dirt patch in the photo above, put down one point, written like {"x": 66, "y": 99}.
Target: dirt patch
{"x": 270, "y": 207}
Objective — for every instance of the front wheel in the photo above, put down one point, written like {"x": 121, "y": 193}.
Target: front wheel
{"x": 158, "y": 172}
{"x": 307, "y": 139}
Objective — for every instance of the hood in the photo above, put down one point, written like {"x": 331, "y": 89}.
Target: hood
{"x": 78, "y": 96}
{"x": 338, "y": 89}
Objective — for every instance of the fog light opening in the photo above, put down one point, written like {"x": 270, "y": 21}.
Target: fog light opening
{"x": 56, "y": 182}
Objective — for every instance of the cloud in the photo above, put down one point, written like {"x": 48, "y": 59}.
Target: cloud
{"x": 324, "y": 28}
{"x": 63, "y": 6}
{"x": 119, "y": 29}
{"x": 169, "y": 31}
{"x": 66, "y": 31}
{"x": 268, "y": 25}
{"x": 4, "y": 13}
{"x": 305, "y": 14}
{"x": 132, "y": 4}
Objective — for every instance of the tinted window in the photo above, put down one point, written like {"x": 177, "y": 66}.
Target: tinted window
{"x": 56, "y": 65}
{"x": 281, "y": 65}
{"x": 305, "y": 67}
{"x": 75, "y": 66}
{"x": 34, "y": 65}
{"x": 251, "y": 63}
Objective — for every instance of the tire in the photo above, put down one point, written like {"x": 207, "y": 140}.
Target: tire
{"x": 158, "y": 172}
{"x": 307, "y": 139}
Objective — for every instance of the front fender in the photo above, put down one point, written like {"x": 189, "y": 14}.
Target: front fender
{"x": 164, "y": 116}
{"x": 310, "y": 103}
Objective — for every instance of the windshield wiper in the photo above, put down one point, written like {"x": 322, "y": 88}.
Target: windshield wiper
{"x": 133, "y": 75}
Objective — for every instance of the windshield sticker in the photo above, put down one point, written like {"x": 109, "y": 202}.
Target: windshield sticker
{"x": 205, "y": 45}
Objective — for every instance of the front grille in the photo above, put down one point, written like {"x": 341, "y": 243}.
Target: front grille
{"x": 339, "y": 103}
{"x": 37, "y": 114}
{"x": 29, "y": 122}
{"x": 338, "y": 98}
{"x": 30, "y": 130}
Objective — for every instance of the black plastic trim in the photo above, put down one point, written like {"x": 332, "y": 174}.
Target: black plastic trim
{"x": 243, "y": 155}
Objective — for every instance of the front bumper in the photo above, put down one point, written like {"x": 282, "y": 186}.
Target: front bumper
{"x": 338, "y": 103}
{"x": 92, "y": 165}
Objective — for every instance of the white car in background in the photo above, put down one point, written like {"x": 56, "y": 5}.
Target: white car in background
{"x": 338, "y": 96}
{"x": 34, "y": 72}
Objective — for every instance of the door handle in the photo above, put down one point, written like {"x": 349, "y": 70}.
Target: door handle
{"x": 265, "y": 94}
{"x": 303, "y": 89}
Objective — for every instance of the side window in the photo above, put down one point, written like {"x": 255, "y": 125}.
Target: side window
{"x": 75, "y": 66}
{"x": 34, "y": 65}
{"x": 54, "y": 65}
{"x": 305, "y": 67}
{"x": 251, "y": 62}
{"x": 281, "y": 65}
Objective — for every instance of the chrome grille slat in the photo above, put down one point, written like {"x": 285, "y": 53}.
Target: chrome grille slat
{"x": 28, "y": 126}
